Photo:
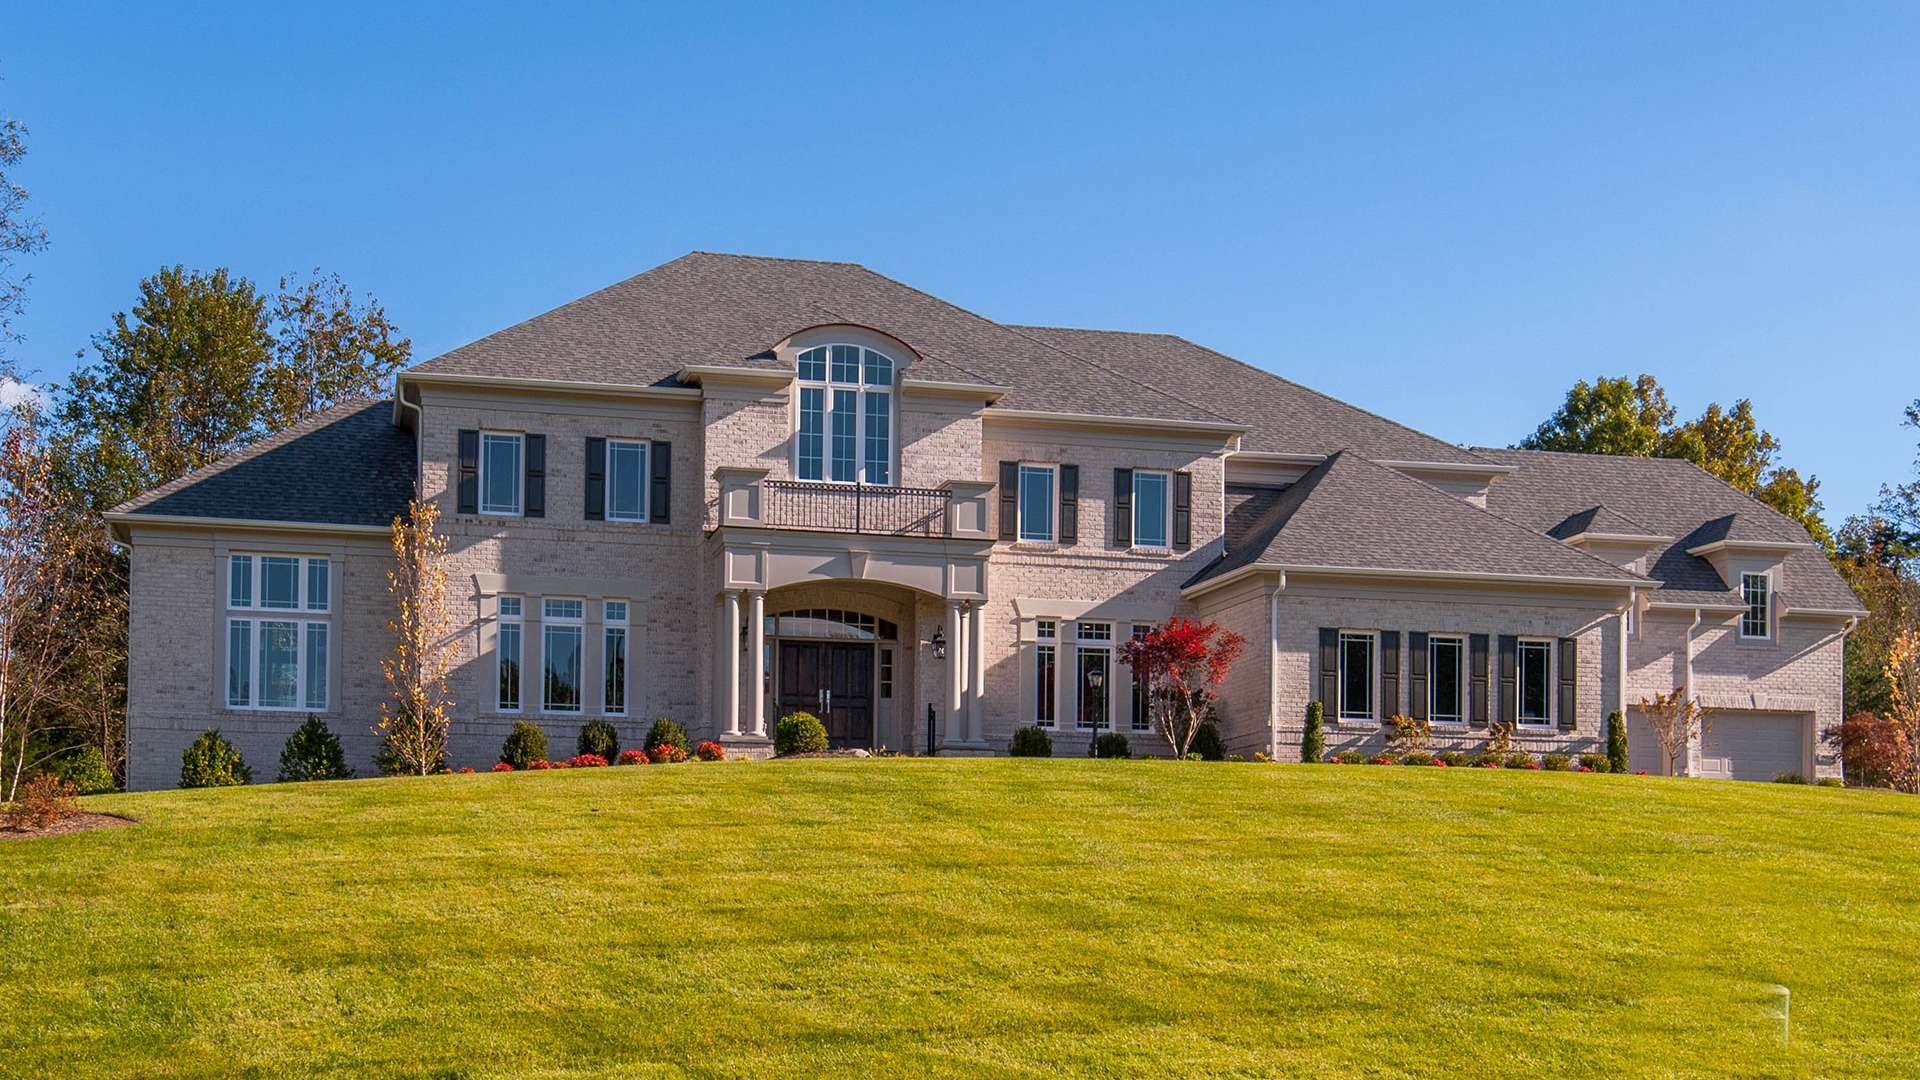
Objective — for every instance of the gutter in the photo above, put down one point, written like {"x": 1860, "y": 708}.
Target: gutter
{"x": 495, "y": 382}
{"x": 1405, "y": 575}
{"x": 1206, "y": 427}
{"x": 120, "y": 523}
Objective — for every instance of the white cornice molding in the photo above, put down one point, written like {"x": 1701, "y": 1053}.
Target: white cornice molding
{"x": 1752, "y": 547}
{"x": 940, "y": 388}
{"x": 122, "y": 523}
{"x": 701, "y": 374}
{"x": 1269, "y": 457}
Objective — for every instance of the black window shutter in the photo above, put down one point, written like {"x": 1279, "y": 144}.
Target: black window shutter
{"x": 1069, "y": 504}
{"x": 1123, "y": 507}
{"x": 1330, "y": 671}
{"x": 1569, "y": 681}
{"x": 469, "y": 479}
{"x": 1009, "y": 500}
{"x": 596, "y": 479}
{"x": 1182, "y": 510}
{"x": 536, "y": 505}
{"x": 1509, "y": 678}
{"x": 1417, "y": 674}
{"x": 1477, "y": 682}
{"x": 660, "y": 483}
{"x": 1389, "y": 672}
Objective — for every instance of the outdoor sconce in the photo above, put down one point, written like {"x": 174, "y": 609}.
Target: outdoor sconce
{"x": 939, "y": 642}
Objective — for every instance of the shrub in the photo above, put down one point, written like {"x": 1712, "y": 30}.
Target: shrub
{"x": 1519, "y": 759}
{"x": 1031, "y": 742}
{"x": 1241, "y": 758}
{"x": 599, "y": 738}
{"x": 1408, "y": 733}
{"x": 1616, "y": 743}
{"x": 667, "y": 754}
{"x": 1388, "y": 758}
{"x": 710, "y": 751}
{"x": 1313, "y": 741}
{"x": 464, "y": 769}
{"x": 1596, "y": 762}
{"x": 1418, "y": 757}
{"x": 1487, "y": 759}
{"x": 633, "y": 757}
{"x": 1829, "y": 781}
{"x": 1348, "y": 757}
{"x": 1112, "y": 745}
{"x": 799, "y": 733}
{"x": 525, "y": 744}
{"x": 1557, "y": 763}
{"x": 665, "y": 732}
{"x": 213, "y": 762}
{"x": 502, "y": 766}
{"x": 538, "y": 764}
{"x": 86, "y": 770}
{"x": 1208, "y": 743}
{"x": 1789, "y": 778}
{"x": 586, "y": 761}
{"x": 41, "y": 801}
{"x": 1455, "y": 758}
{"x": 313, "y": 753}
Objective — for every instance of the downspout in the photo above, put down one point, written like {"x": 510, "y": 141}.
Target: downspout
{"x": 1688, "y": 685}
{"x": 1273, "y": 667}
{"x": 419, "y": 433}
{"x": 1620, "y": 676}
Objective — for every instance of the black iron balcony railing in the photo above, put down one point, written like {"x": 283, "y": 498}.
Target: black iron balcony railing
{"x": 856, "y": 508}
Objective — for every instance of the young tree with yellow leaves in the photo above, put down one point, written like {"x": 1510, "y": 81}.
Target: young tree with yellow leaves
{"x": 414, "y": 718}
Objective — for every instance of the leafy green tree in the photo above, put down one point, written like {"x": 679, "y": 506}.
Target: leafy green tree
{"x": 329, "y": 348}
{"x": 19, "y": 234}
{"x": 1898, "y": 510}
{"x": 1608, "y": 416}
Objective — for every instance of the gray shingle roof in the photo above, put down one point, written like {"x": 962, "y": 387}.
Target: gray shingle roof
{"x": 1669, "y": 497}
{"x": 1356, "y": 514}
{"x": 1598, "y": 519}
{"x": 349, "y": 465}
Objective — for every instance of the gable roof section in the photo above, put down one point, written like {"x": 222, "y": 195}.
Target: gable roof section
{"x": 1670, "y": 497}
{"x": 349, "y": 465}
{"x": 1598, "y": 519}
{"x": 1284, "y": 416}
{"x": 727, "y": 310}
{"x": 1353, "y": 514}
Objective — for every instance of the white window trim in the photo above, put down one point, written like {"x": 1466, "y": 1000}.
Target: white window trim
{"x": 1166, "y": 519}
{"x": 499, "y": 659}
{"x": 623, "y": 624}
{"x": 302, "y": 615}
{"x": 1520, "y": 682}
{"x": 646, "y": 480}
{"x": 1053, "y": 504}
{"x": 1460, "y": 640}
{"x": 1051, "y": 643}
{"x": 861, "y": 390}
{"x": 1135, "y": 723}
{"x": 519, "y": 480}
{"x": 1373, "y": 677}
{"x": 553, "y": 620}
{"x": 1746, "y": 607}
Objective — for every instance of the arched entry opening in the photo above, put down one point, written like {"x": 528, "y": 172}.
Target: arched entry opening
{"x": 845, "y": 652}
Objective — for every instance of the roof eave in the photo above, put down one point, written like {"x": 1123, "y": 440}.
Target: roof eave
{"x": 1754, "y": 547}
{"x": 1397, "y": 574}
{"x": 1152, "y": 423}
{"x": 120, "y": 524}
{"x": 565, "y": 386}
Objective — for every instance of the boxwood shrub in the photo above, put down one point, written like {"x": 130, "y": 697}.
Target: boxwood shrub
{"x": 313, "y": 752}
{"x": 599, "y": 738}
{"x": 1597, "y": 762}
{"x": 799, "y": 733}
{"x": 525, "y": 744}
{"x": 1112, "y": 745}
{"x": 665, "y": 732}
{"x": 1031, "y": 742}
{"x": 1208, "y": 743}
{"x": 212, "y": 761}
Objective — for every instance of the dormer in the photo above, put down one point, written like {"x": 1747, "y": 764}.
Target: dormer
{"x": 1608, "y": 534}
{"x": 1734, "y": 548}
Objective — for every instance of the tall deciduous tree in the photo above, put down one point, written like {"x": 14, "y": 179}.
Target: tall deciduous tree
{"x": 19, "y": 234}
{"x": 1608, "y": 416}
{"x": 414, "y": 718}
{"x": 1898, "y": 509}
{"x": 1183, "y": 664}
{"x": 331, "y": 347}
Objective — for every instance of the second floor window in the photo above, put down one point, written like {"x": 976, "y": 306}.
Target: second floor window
{"x": 1152, "y": 509}
{"x": 1036, "y": 502}
{"x": 626, "y": 480}
{"x": 500, "y": 475}
{"x": 845, "y": 422}
{"x": 1756, "y": 592}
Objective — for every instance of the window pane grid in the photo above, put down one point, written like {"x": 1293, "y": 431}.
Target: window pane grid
{"x": 845, "y": 424}
{"x": 1150, "y": 509}
{"x": 500, "y": 478}
{"x": 1445, "y": 663}
{"x": 1754, "y": 590}
{"x": 1356, "y": 676}
{"x": 626, "y": 481}
{"x": 1036, "y": 502}
{"x": 1535, "y": 662}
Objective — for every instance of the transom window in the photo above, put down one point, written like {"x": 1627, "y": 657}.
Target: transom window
{"x": 1756, "y": 591}
{"x": 1446, "y": 683}
{"x": 1036, "y": 502}
{"x": 277, "y": 659}
{"x": 831, "y": 623}
{"x": 845, "y": 429}
{"x": 501, "y": 478}
{"x": 1356, "y": 675}
{"x": 1536, "y": 682}
{"x": 1152, "y": 509}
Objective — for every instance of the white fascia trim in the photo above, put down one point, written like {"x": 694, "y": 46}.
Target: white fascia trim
{"x": 1819, "y": 613}
{"x": 1617, "y": 538}
{"x": 1756, "y": 547}
{"x": 1275, "y": 458}
{"x": 1412, "y": 575}
{"x": 984, "y": 391}
{"x": 1682, "y": 605}
{"x": 434, "y": 378}
{"x": 699, "y": 373}
{"x": 1464, "y": 468}
{"x": 122, "y": 523}
{"x": 1123, "y": 422}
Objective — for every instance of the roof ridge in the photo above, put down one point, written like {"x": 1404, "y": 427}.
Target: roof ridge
{"x": 765, "y": 258}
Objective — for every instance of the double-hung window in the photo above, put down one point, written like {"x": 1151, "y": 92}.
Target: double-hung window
{"x": 1046, "y": 667}
{"x": 1446, "y": 679}
{"x": 614, "y": 657}
{"x": 278, "y": 631}
{"x": 501, "y": 475}
{"x": 626, "y": 480}
{"x": 1093, "y": 660}
{"x": 1037, "y": 502}
{"x": 845, "y": 422}
{"x": 1756, "y": 592}
{"x": 507, "y": 650}
{"x": 1152, "y": 509}
{"x": 1356, "y": 675}
{"x": 562, "y": 637}
{"x": 1535, "y": 659}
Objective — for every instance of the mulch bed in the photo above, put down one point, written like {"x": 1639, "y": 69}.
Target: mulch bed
{"x": 72, "y": 823}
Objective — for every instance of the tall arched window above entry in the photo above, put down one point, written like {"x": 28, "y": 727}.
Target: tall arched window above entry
{"x": 846, "y": 416}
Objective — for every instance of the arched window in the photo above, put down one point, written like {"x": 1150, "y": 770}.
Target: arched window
{"x": 846, "y": 416}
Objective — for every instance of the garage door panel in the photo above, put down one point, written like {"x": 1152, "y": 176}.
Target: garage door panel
{"x": 1754, "y": 746}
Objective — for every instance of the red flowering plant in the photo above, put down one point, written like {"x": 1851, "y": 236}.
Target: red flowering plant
{"x": 586, "y": 761}
{"x": 667, "y": 753}
{"x": 543, "y": 763}
{"x": 466, "y": 768}
{"x": 501, "y": 766}
{"x": 1183, "y": 664}
{"x": 710, "y": 751}
{"x": 633, "y": 757}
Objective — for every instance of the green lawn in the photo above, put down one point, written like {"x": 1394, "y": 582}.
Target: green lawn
{"x": 970, "y": 918}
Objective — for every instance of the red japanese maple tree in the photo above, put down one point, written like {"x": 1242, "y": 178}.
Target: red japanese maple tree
{"x": 1183, "y": 664}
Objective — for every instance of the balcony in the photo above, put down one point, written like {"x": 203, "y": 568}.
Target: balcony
{"x": 956, "y": 509}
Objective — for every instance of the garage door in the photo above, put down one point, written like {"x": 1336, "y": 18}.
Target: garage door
{"x": 1754, "y": 746}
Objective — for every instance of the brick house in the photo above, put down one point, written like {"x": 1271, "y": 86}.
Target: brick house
{"x": 732, "y": 487}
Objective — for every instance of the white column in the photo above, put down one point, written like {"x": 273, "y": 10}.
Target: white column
{"x": 730, "y": 695}
{"x": 976, "y": 673}
{"x": 757, "y": 661}
{"x": 956, "y": 651}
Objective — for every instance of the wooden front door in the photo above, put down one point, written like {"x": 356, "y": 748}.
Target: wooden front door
{"x": 833, "y": 680}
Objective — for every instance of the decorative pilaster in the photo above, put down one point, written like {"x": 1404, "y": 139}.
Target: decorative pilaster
{"x": 730, "y": 647}
{"x": 757, "y": 661}
{"x": 956, "y": 671}
{"x": 976, "y": 674}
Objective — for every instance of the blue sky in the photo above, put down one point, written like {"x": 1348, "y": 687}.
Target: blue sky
{"x": 1444, "y": 213}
